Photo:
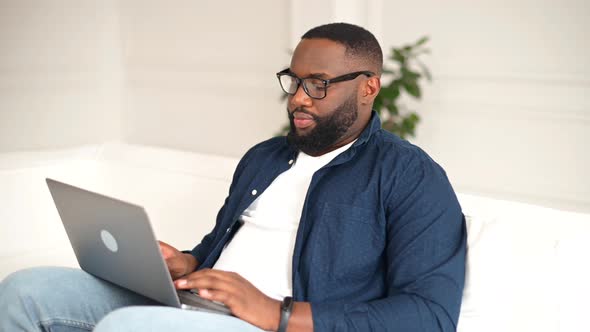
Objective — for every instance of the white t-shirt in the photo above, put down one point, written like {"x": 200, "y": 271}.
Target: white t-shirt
{"x": 262, "y": 249}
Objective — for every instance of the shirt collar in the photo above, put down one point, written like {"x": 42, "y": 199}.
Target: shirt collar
{"x": 373, "y": 126}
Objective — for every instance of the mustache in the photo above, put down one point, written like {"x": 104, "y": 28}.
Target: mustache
{"x": 300, "y": 110}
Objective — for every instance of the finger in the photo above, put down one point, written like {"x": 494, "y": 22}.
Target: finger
{"x": 209, "y": 280}
{"x": 218, "y": 274}
{"x": 167, "y": 250}
{"x": 215, "y": 295}
{"x": 216, "y": 279}
{"x": 199, "y": 282}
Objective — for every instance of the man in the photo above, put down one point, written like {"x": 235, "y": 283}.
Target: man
{"x": 339, "y": 226}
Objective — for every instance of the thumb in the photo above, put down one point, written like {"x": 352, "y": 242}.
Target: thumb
{"x": 167, "y": 250}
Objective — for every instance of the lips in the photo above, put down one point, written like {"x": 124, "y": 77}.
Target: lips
{"x": 302, "y": 120}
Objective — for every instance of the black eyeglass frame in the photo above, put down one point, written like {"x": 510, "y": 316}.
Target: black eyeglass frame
{"x": 341, "y": 78}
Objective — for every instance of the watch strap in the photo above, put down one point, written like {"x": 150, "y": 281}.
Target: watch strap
{"x": 286, "y": 308}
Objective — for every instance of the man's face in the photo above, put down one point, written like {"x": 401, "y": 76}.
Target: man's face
{"x": 327, "y": 130}
{"x": 322, "y": 125}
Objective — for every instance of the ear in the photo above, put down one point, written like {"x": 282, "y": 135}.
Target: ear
{"x": 370, "y": 89}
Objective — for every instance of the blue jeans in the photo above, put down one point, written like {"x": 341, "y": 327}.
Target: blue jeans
{"x": 56, "y": 299}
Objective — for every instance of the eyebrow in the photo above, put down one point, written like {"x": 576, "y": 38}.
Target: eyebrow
{"x": 312, "y": 75}
{"x": 318, "y": 75}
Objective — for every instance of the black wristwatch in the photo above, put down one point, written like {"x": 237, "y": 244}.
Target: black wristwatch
{"x": 286, "y": 308}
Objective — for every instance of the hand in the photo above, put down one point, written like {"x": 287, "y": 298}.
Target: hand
{"x": 243, "y": 299}
{"x": 179, "y": 264}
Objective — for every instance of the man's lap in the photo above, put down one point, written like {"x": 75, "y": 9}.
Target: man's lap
{"x": 71, "y": 299}
{"x": 156, "y": 318}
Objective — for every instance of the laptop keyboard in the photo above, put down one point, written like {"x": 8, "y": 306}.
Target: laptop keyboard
{"x": 195, "y": 302}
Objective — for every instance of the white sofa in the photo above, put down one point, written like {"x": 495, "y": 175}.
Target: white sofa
{"x": 527, "y": 265}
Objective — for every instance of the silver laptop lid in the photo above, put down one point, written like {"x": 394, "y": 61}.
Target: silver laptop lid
{"x": 114, "y": 241}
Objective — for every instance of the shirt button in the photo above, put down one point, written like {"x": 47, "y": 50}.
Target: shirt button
{"x": 254, "y": 192}
{"x": 291, "y": 162}
{"x": 228, "y": 230}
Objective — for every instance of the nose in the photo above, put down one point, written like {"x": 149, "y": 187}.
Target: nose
{"x": 300, "y": 98}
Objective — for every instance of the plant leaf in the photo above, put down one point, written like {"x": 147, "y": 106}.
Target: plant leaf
{"x": 388, "y": 71}
{"x": 393, "y": 110}
{"x": 409, "y": 75}
{"x": 390, "y": 92}
{"x": 424, "y": 70}
{"x": 412, "y": 88}
{"x": 422, "y": 41}
{"x": 398, "y": 56}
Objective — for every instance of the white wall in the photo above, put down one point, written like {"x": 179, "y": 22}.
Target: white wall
{"x": 195, "y": 75}
{"x": 508, "y": 113}
{"x": 60, "y": 73}
{"x": 201, "y": 74}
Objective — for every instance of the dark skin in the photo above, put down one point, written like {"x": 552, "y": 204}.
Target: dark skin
{"x": 325, "y": 59}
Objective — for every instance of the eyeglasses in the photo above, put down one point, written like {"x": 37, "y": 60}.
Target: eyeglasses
{"x": 314, "y": 87}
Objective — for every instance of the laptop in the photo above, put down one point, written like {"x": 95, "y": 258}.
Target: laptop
{"x": 113, "y": 240}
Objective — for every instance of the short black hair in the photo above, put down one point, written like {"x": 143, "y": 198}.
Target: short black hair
{"x": 359, "y": 42}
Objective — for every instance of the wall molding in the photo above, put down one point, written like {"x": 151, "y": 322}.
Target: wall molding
{"x": 512, "y": 77}
{"x": 445, "y": 108}
{"x": 192, "y": 78}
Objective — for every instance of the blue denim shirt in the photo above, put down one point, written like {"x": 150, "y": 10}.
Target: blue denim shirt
{"x": 381, "y": 243}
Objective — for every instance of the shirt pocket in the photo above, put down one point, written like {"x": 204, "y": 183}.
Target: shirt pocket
{"x": 349, "y": 242}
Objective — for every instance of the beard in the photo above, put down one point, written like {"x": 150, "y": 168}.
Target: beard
{"x": 328, "y": 129}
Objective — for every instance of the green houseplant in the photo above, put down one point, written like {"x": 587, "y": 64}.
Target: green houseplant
{"x": 403, "y": 79}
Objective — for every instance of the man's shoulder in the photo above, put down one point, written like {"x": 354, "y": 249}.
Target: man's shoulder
{"x": 390, "y": 146}
{"x": 411, "y": 165}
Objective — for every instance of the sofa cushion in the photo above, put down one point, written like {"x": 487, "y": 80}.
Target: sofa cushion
{"x": 526, "y": 266}
{"x": 180, "y": 191}
{"x": 516, "y": 266}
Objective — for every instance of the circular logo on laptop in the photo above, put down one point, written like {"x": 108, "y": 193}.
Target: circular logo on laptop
{"x": 109, "y": 240}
